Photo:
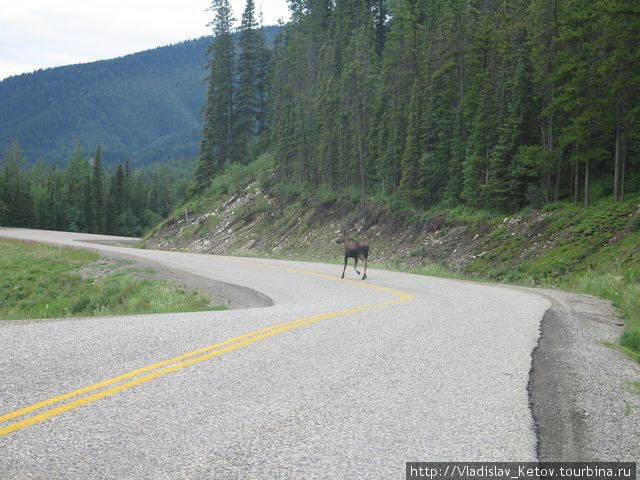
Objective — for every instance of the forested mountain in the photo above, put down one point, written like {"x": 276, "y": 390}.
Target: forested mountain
{"x": 145, "y": 107}
{"x": 486, "y": 103}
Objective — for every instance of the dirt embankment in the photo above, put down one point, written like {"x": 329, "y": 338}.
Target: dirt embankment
{"x": 253, "y": 222}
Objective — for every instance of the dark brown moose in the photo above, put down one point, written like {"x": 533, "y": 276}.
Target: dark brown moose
{"x": 355, "y": 250}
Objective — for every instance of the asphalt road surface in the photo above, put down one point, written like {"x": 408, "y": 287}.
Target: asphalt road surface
{"x": 337, "y": 379}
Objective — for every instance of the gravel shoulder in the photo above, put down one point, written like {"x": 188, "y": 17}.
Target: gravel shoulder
{"x": 584, "y": 406}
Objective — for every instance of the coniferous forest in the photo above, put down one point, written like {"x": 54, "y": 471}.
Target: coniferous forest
{"x": 87, "y": 197}
{"x": 418, "y": 103}
{"x": 490, "y": 104}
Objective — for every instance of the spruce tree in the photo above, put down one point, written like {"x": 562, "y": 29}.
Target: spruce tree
{"x": 76, "y": 182}
{"x": 115, "y": 202}
{"x": 409, "y": 177}
{"x": 247, "y": 93}
{"x": 97, "y": 192}
{"x": 217, "y": 135}
{"x": 15, "y": 193}
{"x": 262, "y": 81}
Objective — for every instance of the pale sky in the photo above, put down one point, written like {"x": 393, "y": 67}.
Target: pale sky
{"x": 47, "y": 33}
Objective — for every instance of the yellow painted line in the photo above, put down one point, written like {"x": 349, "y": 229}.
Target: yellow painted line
{"x": 204, "y": 353}
{"x": 335, "y": 278}
{"x": 133, "y": 373}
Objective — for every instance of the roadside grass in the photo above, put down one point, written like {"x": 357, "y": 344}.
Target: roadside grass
{"x": 432, "y": 270}
{"x": 43, "y": 281}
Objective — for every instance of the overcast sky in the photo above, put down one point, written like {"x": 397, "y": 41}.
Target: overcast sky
{"x": 47, "y": 33}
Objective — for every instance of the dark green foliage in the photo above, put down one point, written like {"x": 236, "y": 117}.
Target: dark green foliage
{"x": 631, "y": 340}
{"x": 216, "y": 144}
{"x": 15, "y": 196}
{"x": 415, "y": 168}
{"x": 97, "y": 194}
{"x": 84, "y": 197}
{"x": 246, "y": 94}
{"x": 498, "y": 105}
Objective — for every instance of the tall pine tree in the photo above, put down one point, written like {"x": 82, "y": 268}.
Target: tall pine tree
{"x": 216, "y": 143}
{"x": 247, "y": 92}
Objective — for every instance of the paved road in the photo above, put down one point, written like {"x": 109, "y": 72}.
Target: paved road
{"x": 338, "y": 379}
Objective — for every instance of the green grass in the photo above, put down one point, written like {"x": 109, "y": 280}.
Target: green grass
{"x": 588, "y": 255}
{"x": 42, "y": 281}
{"x": 432, "y": 270}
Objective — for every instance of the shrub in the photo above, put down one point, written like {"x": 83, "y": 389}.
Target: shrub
{"x": 631, "y": 339}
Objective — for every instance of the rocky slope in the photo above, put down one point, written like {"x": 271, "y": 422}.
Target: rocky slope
{"x": 258, "y": 223}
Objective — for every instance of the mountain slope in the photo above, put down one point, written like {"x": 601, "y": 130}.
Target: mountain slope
{"x": 144, "y": 106}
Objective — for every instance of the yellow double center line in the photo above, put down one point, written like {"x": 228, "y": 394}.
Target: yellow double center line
{"x": 145, "y": 374}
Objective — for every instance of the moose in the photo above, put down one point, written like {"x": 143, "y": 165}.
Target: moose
{"x": 355, "y": 250}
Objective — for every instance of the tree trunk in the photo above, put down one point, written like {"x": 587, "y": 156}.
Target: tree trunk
{"x": 616, "y": 169}
{"x": 624, "y": 163}
{"x": 486, "y": 169}
{"x": 305, "y": 168}
{"x": 586, "y": 183}
{"x": 556, "y": 191}
{"x": 330, "y": 162}
{"x": 571, "y": 183}
{"x": 547, "y": 184}
{"x": 576, "y": 183}
{"x": 359, "y": 132}
{"x": 395, "y": 133}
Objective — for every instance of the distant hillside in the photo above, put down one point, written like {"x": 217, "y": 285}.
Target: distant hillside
{"x": 144, "y": 106}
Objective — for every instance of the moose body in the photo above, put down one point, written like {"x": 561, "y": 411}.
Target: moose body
{"x": 355, "y": 250}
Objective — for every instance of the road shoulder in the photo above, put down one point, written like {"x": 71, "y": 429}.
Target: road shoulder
{"x": 583, "y": 405}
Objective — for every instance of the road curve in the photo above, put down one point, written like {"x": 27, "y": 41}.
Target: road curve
{"x": 338, "y": 379}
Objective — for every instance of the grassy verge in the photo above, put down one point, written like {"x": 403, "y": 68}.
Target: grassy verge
{"x": 593, "y": 250}
{"x": 42, "y": 281}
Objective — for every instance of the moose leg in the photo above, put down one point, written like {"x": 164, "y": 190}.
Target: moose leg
{"x": 345, "y": 265}
{"x": 366, "y": 260}
{"x": 355, "y": 265}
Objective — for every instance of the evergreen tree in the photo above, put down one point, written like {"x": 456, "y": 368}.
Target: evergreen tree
{"x": 76, "y": 194}
{"x": 410, "y": 176}
{"x": 217, "y": 135}
{"x": 97, "y": 190}
{"x": 247, "y": 92}
{"x": 262, "y": 80}
{"x": 115, "y": 202}
{"x": 37, "y": 181}
{"x": 15, "y": 194}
